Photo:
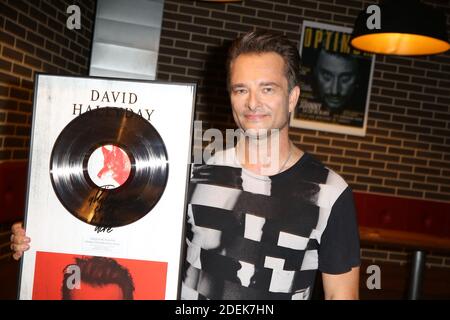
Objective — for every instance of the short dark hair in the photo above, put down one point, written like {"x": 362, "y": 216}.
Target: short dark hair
{"x": 100, "y": 271}
{"x": 263, "y": 41}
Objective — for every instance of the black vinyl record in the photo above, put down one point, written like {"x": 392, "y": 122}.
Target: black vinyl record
{"x": 147, "y": 173}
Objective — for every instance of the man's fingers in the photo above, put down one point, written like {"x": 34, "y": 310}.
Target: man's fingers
{"x": 20, "y": 232}
{"x": 25, "y": 240}
{"x": 20, "y": 239}
{"x": 17, "y": 255}
{"x": 19, "y": 247}
{"x": 16, "y": 227}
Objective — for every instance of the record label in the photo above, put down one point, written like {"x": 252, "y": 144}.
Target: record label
{"x": 109, "y": 167}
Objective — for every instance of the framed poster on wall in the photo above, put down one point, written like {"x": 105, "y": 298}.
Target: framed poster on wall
{"x": 108, "y": 175}
{"x": 335, "y": 81}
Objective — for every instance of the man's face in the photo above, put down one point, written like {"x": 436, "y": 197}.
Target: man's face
{"x": 110, "y": 291}
{"x": 259, "y": 92}
{"x": 336, "y": 79}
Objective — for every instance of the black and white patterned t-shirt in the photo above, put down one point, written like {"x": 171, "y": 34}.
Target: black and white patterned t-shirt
{"x": 265, "y": 237}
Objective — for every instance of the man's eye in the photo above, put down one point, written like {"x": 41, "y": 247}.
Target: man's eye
{"x": 268, "y": 90}
{"x": 346, "y": 78}
{"x": 326, "y": 76}
{"x": 240, "y": 91}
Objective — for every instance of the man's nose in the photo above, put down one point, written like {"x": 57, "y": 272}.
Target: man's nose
{"x": 253, "y": 100}
{"x": 335, "y": 87}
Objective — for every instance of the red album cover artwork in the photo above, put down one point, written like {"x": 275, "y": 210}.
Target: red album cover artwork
{"x": 60, "y": 276}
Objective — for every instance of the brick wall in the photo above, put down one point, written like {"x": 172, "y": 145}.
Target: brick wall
{"x": 375, "y": 254}
{"x": 34, "y": 38}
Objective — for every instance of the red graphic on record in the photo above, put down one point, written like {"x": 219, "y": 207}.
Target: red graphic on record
{"x": 115, "y": 164}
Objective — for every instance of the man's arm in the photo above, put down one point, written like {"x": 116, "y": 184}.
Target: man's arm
{"x": 343, "y": 286}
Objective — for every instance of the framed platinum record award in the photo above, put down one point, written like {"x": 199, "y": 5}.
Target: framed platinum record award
{"x": 107, "y": 185}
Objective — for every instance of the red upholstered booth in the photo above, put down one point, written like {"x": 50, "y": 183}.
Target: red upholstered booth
{"x": 420, "y": 225}
{"x": 13, "y": 180}
{"x": 403, "y": 214}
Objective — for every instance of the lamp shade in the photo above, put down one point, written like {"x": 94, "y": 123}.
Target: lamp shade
{"x": 407, "y": 27}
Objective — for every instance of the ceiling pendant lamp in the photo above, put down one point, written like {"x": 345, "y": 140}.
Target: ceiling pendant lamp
{"x": 404, "y": 27}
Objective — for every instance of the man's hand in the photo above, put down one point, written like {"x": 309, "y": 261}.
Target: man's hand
{"x": 343, "y": 286}
{"x": 19, "y": 241}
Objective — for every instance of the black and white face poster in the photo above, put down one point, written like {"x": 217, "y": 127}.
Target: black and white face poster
{"x": 335, "y": 81}
{"x": 109, "y": 168}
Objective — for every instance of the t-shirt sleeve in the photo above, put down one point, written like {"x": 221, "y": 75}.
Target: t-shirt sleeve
{"x": 339, "y": 245}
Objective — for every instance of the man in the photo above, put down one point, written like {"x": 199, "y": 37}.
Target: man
{"x": 101, "y": 279}
{"x": 335, "y": 78}
{"x": 258, "y": 231}
{"x": 260, "y": 227}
